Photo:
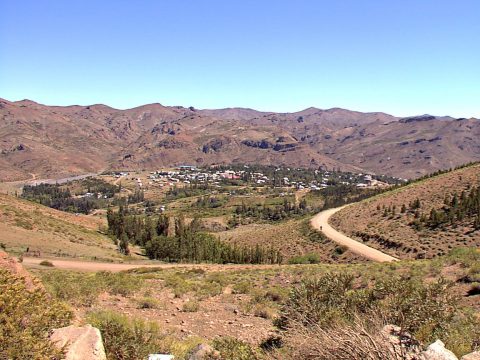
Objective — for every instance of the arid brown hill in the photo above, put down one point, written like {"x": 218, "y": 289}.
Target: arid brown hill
{"x": 400, "y": 222}
{"x": 52, "y": 141}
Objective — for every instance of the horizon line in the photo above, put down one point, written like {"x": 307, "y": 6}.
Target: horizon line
{"x": 231, "y": 107}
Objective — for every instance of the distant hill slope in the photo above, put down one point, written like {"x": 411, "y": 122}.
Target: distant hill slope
{"x": 401, "y": 223}
{"x": 54, "y": 141}
{"x": 24, "y": 224}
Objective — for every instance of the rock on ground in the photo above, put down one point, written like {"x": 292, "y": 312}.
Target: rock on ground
{"x": 82, "y": 343}
{"x": 473, "y": 356}
{"x": 437, "y": 351}
{"x": 202, "y": 352}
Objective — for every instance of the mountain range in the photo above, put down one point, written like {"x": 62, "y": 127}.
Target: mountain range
{"x": 39, "y": 141}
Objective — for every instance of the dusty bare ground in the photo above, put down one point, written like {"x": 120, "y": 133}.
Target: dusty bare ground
{"x": 218, "y": 315}
{"x": 394, "y": 234}
{"x": 320, "y": 222}
{"x": 95, "y": 266}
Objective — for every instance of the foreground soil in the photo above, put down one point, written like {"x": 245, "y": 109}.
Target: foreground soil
{"x": 206, "y": 301}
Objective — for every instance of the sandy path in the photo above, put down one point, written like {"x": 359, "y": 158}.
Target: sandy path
{"x": 320, "y": 222}
{"x": 114, "y": 267}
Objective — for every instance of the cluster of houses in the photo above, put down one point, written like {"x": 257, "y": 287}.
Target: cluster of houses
{"x": 92, "y": 195}
{"x": 187, "y": 174}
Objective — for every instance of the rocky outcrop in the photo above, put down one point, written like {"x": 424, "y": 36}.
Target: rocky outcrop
{"x": 81, "y": 343}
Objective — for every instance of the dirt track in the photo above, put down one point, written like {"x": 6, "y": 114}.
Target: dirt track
{"x": 320, "y": 222}
{"x": 115, "y": 267}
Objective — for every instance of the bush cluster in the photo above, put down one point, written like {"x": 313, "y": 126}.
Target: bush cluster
{"x": 83, "y": 289}
{"x": 427, "y": 311}
{"x": 26, "y": 317}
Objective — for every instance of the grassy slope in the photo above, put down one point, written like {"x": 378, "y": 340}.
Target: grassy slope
{"x": 405, "y": 241}
{"x": 26, "y": 224}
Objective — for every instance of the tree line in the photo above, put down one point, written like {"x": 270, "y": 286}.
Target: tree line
{"x": 91, "y": 194}
{"x": 457, "y": 209}
{"x": 187, "y": 243}
{"x": 268, "y": 212}
{"x": 54, "y": 196}
{"x": 193, "y": 189}
{"x": 339, "y": 195}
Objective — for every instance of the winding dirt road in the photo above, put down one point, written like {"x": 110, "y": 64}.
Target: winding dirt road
{"x": 320, "y": 222}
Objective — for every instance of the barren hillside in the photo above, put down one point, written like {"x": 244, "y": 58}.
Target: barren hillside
{"x": 24, "y": 224}
{"x": 52, "y": 141}
{"x": 400, "y": 222}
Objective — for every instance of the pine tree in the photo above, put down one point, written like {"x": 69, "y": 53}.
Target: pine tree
{"x": 123, "y": 244}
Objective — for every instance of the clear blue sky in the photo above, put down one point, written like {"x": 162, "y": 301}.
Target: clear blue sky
{"x": 403, "y": 57}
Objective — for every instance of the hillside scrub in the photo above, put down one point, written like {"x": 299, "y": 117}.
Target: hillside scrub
{"x": 337, "y": 301}
{"x": 124, "y": 338}
{"x": 26, "y": 317}
{"x": 131, "y": 338}
{"x": 84, "y": 288}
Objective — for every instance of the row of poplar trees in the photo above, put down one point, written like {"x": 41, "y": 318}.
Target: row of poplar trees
{"x": 188, "y": 243}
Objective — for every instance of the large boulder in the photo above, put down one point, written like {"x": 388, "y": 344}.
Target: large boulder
{"x": 81, "y": 343}
{"x": 437, "y": 351}
{"x": 472, "y": 356}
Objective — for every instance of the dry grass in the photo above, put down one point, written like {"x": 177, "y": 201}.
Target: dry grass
{"x": 24, "y": 224}
{"x": 361, "y": 340}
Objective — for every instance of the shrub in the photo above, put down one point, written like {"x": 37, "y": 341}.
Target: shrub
{"x": 339, "y": 250}
{"x": 231, "y": 348}
{"x": 242, "y": 287}
{"x": 82, "y": 289}
{"x": 191, "y": 306}
{"x": 264, "y": 311}
{"x": 407, "y": 303}
{"x": 46, "y": 263}
{"x": 25, "y": 319}
{"x": 358, "y": 340}
{"x": 319, "y": 300}
{"x": 119, "y": 283}
{"x": 148, "y": 303}
{"x": 305, "y": 259}
{"x": 125, "y": 338}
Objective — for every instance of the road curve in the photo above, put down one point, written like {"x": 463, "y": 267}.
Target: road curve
{"x": 320, "y": 222}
